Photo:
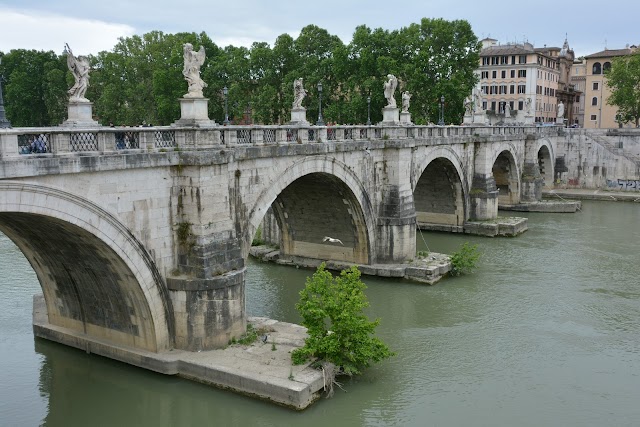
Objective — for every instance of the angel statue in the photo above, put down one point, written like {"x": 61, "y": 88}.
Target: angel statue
{"x": 469, "y": 105}
{"x": 298, "y": 93}
{"x": 79, "y": 67}
{"x": 406, "y": 96}
{"x": 389, "y": 90}
{"x": 192, "y": 62}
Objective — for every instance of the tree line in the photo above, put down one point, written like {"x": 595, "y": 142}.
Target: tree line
{"x": 140, "y": 79}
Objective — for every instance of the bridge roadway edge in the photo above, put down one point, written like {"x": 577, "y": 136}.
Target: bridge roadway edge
{"x": 255, "y": 370}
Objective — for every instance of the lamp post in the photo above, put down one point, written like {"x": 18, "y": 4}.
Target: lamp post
{"x": 4, "y": 123}
{"x": 320, "y": 122}
{"x": 368, "y": 111}
{"x": 441, "y": 121}
{"x": 225, "y": 92}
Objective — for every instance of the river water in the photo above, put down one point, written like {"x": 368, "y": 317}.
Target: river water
{"x": 545, "y": 332}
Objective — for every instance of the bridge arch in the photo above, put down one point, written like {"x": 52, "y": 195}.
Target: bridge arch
{"x": 546, "y": 161}
{"x": 315, "y": 197}
{"x": 506, "y": 173}
{"x": 440, "y": 189}
{"x": 97, "y": 279}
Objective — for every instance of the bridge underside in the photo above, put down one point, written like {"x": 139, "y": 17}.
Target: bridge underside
{"x": 506, "y": 178}
{"x": 438, "y": 197}
{"x": 316, "y": 206}
{"x": 87, "y": 287}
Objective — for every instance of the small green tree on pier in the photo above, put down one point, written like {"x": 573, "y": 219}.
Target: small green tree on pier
{"x": 340, "y": 334}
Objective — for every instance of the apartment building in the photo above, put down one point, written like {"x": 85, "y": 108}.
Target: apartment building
{"x": 518, "y": 74}
{"x": 597, "y": 112}
{"x": 579, "y": 81}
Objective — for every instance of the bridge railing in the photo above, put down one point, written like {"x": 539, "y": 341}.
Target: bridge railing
{"x": 62, "y": 140}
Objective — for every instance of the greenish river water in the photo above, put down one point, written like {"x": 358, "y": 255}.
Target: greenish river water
{"x": 545, "y": 333}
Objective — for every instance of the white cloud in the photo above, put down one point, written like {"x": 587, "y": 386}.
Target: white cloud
{"x": 47, "y": 31}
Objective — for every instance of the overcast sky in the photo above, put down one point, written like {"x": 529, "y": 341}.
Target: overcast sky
{"x": 92, "y": 26}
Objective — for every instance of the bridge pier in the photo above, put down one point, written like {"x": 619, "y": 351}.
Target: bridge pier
{"x": 531, "y": 180}
{"x": 396, "y": 224}
{"x": 207, "y": 287}
{"x": 483, "y": 198}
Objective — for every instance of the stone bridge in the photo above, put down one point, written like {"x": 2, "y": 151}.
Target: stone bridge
{"x": 139, "y": 236}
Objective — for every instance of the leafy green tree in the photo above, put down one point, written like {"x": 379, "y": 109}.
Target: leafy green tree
{"x": 33, "y": 81}
{"x": 624, "y": 80}
{"x": 464, "y": 260}
{"x": 339, "y": 332}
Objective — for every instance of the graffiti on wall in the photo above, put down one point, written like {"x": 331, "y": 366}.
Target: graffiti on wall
{"x": 624, "y": 184}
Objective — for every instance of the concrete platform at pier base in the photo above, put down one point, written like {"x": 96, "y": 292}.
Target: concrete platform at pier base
{"x": 260, "y": 370}
{"x": 548, "y": 206}
{"x": 501, "y": 226}
{"x": 592, "y": 194}
{"x": 428, "y": 270}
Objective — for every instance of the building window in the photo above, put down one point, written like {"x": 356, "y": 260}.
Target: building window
{"x": 594, "y": 100}
{"x": 513, "y": 73}
{"x": 513, "y": 59}
{"x": 520, "y": 105}
{"x": 595, "y": 86}
{"x": 606, "y": 67}
{"x": 504, "y": 74}
{"x": 523, "y": 59}
{"x": 484, "y": 105}
{"x": 593, "y": 117}
{"x": 485, "y": 75}
{"x": 512, "y": 89}
{"x": 597, "y": 68}
{"x": 522, "y": 73}
{"x": 494, "y": 74}
{"x": 493, "y": 105}
{"x": 577, "y": 98}
{"x": 521, "y": 88}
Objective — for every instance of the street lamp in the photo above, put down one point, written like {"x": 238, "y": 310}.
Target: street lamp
{"x": 368, "y": 111}
{"x": 320, "y": 122}
{"x": 441, "y": 121}
{"x": 4, "y": 123}
{"x": 225, "y": 92}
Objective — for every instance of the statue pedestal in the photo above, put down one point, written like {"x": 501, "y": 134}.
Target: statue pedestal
{"x": 560, "y": 121}
{"x": 529, "y": 119}
{"x": 479, "y": 118}
{"x": 390, "y": 116}
{"x": 299, "y": 116}
{"x": 194, "y": 112}
{"x": 405, "y": 118}
{"x": 80, "y": 114}
{"x": 467, "y": 119}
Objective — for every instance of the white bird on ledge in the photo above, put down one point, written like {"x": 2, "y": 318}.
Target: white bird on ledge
{"x": 332, "y": 240}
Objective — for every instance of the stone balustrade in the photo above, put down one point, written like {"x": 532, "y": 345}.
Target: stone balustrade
{"x": 63, "y": 140}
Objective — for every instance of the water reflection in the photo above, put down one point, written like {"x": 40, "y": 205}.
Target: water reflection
{"x": 544, "y": 333}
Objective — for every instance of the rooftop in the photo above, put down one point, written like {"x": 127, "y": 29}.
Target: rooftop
{"x": 612, "y": 52}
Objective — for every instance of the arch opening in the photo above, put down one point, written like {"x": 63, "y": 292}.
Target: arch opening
{"x": 313, "y": 207}
{"x": 545, "y": 165}
{"x": 439, "y": 198}
{"x": 87, "y": 287}
{"x": 506, "y": 178}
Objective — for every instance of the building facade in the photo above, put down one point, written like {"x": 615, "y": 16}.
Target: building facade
{"x": 578, "y": 79}
{"x": 598, "y": 113}
{"x": 520, "y": 74}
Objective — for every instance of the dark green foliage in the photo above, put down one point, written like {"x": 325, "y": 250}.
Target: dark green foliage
{"x": 624, "y": 80}
{"x": 339, "y": 332}
{"x": 141, "y": 78}
{"x": 464, "y": 261}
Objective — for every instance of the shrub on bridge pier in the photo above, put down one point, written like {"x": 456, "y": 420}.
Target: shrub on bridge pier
{"x": 340, "y": 334}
